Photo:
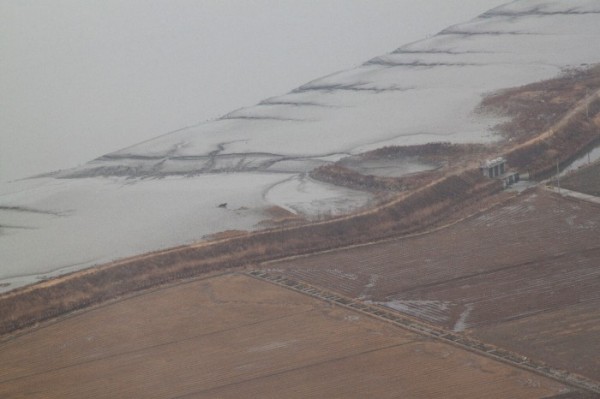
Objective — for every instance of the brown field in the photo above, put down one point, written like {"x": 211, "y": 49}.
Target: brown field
{"x": 536, "y": 254}
{"x": 585, "y": 180}
{"x": 567, "y": 337}
{"x": 233, "y": 336}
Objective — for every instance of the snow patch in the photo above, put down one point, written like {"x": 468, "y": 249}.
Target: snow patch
{"x": 271, "y": 346}
{"x": 314, "y": 199}
{"x": 461, "y": 323}
{"x": 433, "y": 311}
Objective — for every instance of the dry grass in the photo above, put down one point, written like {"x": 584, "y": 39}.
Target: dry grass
{"x": 565, "y": 336}
{"x": 227, "y": 234}
{"x": 280, "y": 217}
{"x": 539, "y": 157}
{"x": 236, "y": 337}
{"x": 451, "y": 158}
{"x": 549, "y": 122}
{"x": 536, "y": 107}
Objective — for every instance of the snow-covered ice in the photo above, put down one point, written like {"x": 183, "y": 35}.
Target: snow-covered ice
{"x": 52, "y": 226}
{"x": 302, "y": 195}
{"x": 165, "y": 191}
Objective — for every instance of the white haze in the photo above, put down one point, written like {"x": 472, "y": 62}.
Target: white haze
{"x": 83, "y": 78}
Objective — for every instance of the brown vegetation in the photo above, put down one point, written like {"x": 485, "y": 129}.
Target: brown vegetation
{"x": 222, "y": 235}
{"x": 535, "y": 254}
{"x": 536, "y": 107}
{"x": 585, "y": 180}
{"x": 434, "y": 152}
{"x": 236, "y": 337}
{"x": 279, "y": 217}
{"x": 549, "y": 122}
{"x": 565, "y": 336}
{"x": 540, "y": 156}
{"x": 443, "y": 154}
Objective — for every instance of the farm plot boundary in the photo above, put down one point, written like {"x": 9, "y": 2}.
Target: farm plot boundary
{"x": 443, "y": 335}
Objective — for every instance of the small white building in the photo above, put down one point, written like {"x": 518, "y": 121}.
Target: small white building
{"x": 496, "y": 169}
{"x": 493, "y": 168}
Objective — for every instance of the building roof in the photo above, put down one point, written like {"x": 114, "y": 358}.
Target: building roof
{"x": 490, "y": 163}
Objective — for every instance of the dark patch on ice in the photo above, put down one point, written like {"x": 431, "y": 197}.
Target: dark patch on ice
{"x": 8, "y": 226}
{"x": 228, "y": 155}
{"x": 140, "y": 157}
{"x": 294, "y": 103}
{"x": 211, "y": 163}
{"x": 416, "y": 64}
{"x": 262, "y": 118}
{"x": 483, "y": 33}
{"x": 137, "y": 157}
{"x": 359, "y": 87}
{"x": 536, "y": 11}
{"x": 105, "y": 170}
{"x": 32, "y": 210}
{"x": 212, "y": 155}
{"x": 194, "y": 165}
{"x": 435, "y": 51}
{"x": 42, "y": 175}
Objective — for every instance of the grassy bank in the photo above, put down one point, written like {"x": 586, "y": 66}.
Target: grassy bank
{"x": 416, "y": 212}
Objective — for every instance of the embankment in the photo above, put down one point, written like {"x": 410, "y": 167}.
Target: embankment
{"x": 423, "y": 208}
{"x": 414, "y": 211}
{"x": 577, "y": 133}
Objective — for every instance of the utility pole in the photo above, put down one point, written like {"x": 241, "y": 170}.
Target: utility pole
{"x": 587, "y": 104}
{"x": 558, "y": 176}
{"x": 587, "y": 109}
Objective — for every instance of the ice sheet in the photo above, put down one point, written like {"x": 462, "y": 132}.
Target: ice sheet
{"x": 166, "y": 191}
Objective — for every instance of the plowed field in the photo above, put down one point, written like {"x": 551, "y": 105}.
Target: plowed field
{"x": 568, "y": 337}
{"x": 236, "y": 337}
{"x": 585, "y": 180}
{"x": 537, "y": 253}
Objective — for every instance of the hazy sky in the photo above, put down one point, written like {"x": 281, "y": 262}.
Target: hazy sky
{"x": 80, "y": 78}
